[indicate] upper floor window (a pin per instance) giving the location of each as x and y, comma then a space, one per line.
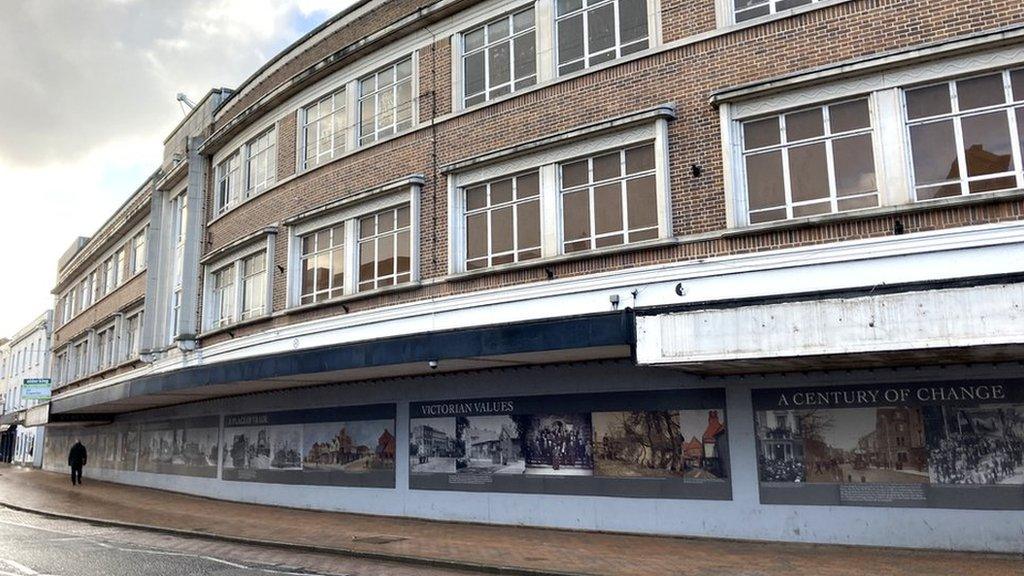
237, 291
324, 129
59, 366
110, 271
261, 162
323, 264
80, 360
228, 182
138, 248
224, 296
386, 102
105, 343
85, 293
385, 248
120, 263
254, 285
817, 160
132, 333
609, 199
499, 57
589, 32
503, 221
748, 9
966, 135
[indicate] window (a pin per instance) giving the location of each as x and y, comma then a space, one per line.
323, 264
110, 270
138, 252
228, 183
73, 299
813, 161
105, 343
85, 294
132, 335
179, 211
120, 263
254, 286
324, 129
224, 296
503, 221
99, 283
80, 366
59, 365
966, 135
590, 32
385, 102
68, 307
385, 246
748, 9
499, 57
609, 199
261, 162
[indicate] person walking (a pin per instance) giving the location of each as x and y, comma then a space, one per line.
76, 460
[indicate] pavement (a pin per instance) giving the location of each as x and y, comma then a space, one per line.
471, 547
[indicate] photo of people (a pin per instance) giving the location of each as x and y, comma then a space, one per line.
353, 447
705, 444
638, 444
558, 444
981, 445
433, 446
491, 445
780, 446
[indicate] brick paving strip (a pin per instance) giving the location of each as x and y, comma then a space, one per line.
481, 548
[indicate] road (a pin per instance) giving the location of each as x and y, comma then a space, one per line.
33, 545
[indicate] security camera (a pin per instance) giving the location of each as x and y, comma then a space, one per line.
432, 364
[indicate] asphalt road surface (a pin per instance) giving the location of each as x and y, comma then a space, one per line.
33, 545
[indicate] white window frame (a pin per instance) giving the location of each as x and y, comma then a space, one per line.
234, 176
617, 48
546, 161
726, 10
232, 261
893, 168
348, 212
129, 344
252, 156
459, 49
105, 359
342, 93
366, 139
138, 242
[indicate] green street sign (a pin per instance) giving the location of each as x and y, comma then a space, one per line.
36, 389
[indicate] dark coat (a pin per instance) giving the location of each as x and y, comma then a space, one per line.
77, 456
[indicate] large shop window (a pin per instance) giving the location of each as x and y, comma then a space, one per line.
609, 199
324, 129
499, 57
813, 161
966, 135
385, 247
747, 9
323, 264
503, 221
386, 102
590, 32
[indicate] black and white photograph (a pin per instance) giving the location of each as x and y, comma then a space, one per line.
980, 445
559, 445
286, 447
247, 448
353, 447
433, 445
492, 445
780, 446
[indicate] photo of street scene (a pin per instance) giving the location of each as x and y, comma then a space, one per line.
558, 444
353, 447
982, 445
705, 444
128, 448
285, 447
194, 448
247, 448
491, 445
638, 444
433, 447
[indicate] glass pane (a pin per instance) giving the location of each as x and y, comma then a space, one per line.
473, 40
992, 184
811, 209
768, 216
403, 251
640, 159
404, 69
402, 215
386, 77
366, 258
338, 265
576, 215
761, 133
528, 224
476, 197
366, 227
474, 73
632, 20
501, 230
476, 235
338, 235
368, 85
527, 186
804, 125
764, 180
944, 191
980, 92
607, 166
928, 101
323, 271
566, 6
787, 4
642, 202
323, 239
849, 116
608, 208
386, 256
854, 165
934, 152
385, 221
609, 241
857, 203
570, 39
501, 191
1020, 129
575, 174
500, 62
601, 28
308, 243
526, 55
523, 20
808, 172
987, 144
498, 30
1017, 84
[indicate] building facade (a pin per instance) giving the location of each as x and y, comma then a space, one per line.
542, 246
24, 370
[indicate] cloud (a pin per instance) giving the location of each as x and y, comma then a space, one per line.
89, 95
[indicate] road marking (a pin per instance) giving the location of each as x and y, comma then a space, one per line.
19, 567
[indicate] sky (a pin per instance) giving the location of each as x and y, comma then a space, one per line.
87, 96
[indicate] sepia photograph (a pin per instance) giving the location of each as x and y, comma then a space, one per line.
705, 444
353, 447
638, 444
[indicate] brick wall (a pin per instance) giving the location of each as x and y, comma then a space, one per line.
100, 312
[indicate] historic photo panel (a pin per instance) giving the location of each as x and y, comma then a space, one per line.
652, 444
947, 444
187, 447
343, 446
